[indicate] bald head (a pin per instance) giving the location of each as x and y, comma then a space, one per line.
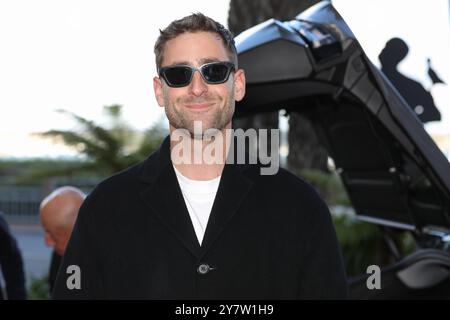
58, 213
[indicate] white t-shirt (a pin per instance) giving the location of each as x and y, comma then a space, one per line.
199, 197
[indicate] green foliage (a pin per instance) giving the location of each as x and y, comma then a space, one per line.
107, 149
39, 289
329, 185
32, 171
363, 243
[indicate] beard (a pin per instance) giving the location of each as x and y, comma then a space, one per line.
216, 117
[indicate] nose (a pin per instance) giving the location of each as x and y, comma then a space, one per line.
197, 86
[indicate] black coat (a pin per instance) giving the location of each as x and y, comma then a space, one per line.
11, 264
55, 262
268, 237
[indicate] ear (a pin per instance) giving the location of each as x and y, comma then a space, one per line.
157, 87
239, 85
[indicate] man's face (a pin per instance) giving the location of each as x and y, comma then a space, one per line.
55, 236
57, 224
57, 239
212, 104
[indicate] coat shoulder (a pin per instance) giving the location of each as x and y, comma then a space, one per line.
116, 190
286, 183
125, 181
117, 183
292, 196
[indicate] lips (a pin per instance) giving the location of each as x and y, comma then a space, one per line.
199, 106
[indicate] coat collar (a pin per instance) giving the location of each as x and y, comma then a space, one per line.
161, 192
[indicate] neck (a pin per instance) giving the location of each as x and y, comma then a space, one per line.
200, 158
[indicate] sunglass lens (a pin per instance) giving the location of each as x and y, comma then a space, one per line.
178, 76
215, 73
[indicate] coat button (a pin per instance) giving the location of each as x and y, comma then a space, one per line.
203, 269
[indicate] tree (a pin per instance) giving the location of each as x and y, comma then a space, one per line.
108, 149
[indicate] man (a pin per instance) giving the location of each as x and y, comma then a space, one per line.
58, 212
172, 229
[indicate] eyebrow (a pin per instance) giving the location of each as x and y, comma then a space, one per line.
201, 61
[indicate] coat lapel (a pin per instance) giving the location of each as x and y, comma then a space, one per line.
233, 189
163, 195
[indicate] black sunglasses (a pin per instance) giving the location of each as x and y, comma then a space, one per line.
181, 75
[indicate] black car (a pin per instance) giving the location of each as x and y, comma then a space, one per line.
392, 170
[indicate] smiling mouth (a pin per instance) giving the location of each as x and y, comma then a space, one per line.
199, 106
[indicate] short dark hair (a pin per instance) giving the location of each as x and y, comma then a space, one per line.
196, 22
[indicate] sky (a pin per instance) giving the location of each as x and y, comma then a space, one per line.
82, 55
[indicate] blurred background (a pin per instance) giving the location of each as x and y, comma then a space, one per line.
77, 103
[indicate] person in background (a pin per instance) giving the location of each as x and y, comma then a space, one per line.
58, 213
11, 265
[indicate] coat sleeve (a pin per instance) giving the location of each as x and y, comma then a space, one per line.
11, 264
79, 276
322, 269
